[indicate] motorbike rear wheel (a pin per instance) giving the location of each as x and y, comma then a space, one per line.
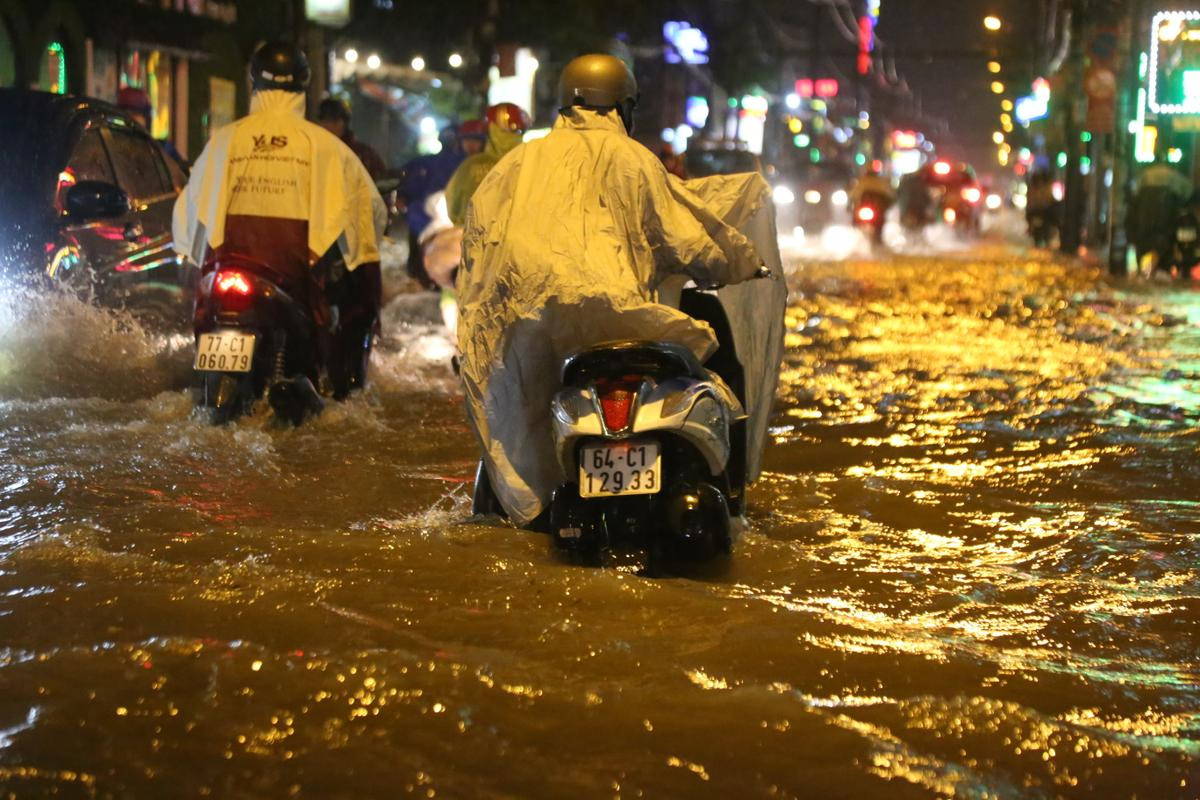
224, 396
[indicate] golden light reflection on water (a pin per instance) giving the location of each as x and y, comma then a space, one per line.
972, 571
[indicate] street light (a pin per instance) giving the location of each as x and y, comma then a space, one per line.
998, 137
992, 23
418, 63
997, 87
994, 67
352, 55
373, 61
455, 60
1007, 105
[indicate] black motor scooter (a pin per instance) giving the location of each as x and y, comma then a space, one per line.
255, 335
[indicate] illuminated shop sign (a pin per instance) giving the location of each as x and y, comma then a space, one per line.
687, 44
334, 13
1036, 105
1175, 63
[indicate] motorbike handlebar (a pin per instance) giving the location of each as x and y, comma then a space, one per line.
762, 272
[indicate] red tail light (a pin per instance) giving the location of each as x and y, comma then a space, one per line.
866, 214
972, 194
233, 282
616, 400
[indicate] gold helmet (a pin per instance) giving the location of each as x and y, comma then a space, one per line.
597, 80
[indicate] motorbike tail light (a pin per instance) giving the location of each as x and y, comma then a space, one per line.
866, 214
233, 282
972, 194
950, 215
616, 400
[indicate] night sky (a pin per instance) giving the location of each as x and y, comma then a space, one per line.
942, 49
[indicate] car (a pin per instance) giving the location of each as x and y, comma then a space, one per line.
86, 200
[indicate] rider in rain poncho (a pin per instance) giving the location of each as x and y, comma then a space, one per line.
566, 242
277, 188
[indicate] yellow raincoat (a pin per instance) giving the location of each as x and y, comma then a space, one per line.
275, 164
566, 243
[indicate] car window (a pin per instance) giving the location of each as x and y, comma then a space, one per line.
177, 175
89, 161
139, 165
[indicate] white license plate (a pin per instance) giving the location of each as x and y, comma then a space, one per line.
224, 351
631, 466
1186, 235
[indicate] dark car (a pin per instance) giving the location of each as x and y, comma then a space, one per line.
86, 199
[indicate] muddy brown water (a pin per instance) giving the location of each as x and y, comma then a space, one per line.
972, 571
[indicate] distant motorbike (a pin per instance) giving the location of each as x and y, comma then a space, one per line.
960, 209
1186, 238
869, 216
1043, 225
654, 444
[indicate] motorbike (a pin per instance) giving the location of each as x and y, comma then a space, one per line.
654, 445
1186, 238
869, 216
1042, 226
255, 335
960, 209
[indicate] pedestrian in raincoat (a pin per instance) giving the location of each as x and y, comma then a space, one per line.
506, 123
566, 242
277, 188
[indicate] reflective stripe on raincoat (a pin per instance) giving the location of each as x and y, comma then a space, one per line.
566, 242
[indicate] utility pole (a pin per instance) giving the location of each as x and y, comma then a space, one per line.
1123, 144
1074, 200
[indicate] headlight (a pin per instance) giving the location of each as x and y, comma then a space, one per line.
812, 196
783, 196
839, 198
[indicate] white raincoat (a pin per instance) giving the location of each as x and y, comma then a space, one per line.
273, 163
566, 242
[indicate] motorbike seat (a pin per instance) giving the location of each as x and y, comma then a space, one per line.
612, 359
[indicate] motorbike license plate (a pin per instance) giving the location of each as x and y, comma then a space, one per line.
224, 351
632, 466
1186, 234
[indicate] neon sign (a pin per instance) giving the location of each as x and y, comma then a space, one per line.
688, 45
1175, 63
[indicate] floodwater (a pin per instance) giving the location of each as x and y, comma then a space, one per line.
972, 570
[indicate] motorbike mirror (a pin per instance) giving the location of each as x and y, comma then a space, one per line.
88, 200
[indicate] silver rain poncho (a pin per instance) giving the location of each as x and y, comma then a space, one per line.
566, 244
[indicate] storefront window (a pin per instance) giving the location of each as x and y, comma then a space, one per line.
8, 67
151, 71
52, 74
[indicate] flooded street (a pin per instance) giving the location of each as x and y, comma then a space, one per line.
972, 570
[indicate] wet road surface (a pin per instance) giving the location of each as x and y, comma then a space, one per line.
973, 570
